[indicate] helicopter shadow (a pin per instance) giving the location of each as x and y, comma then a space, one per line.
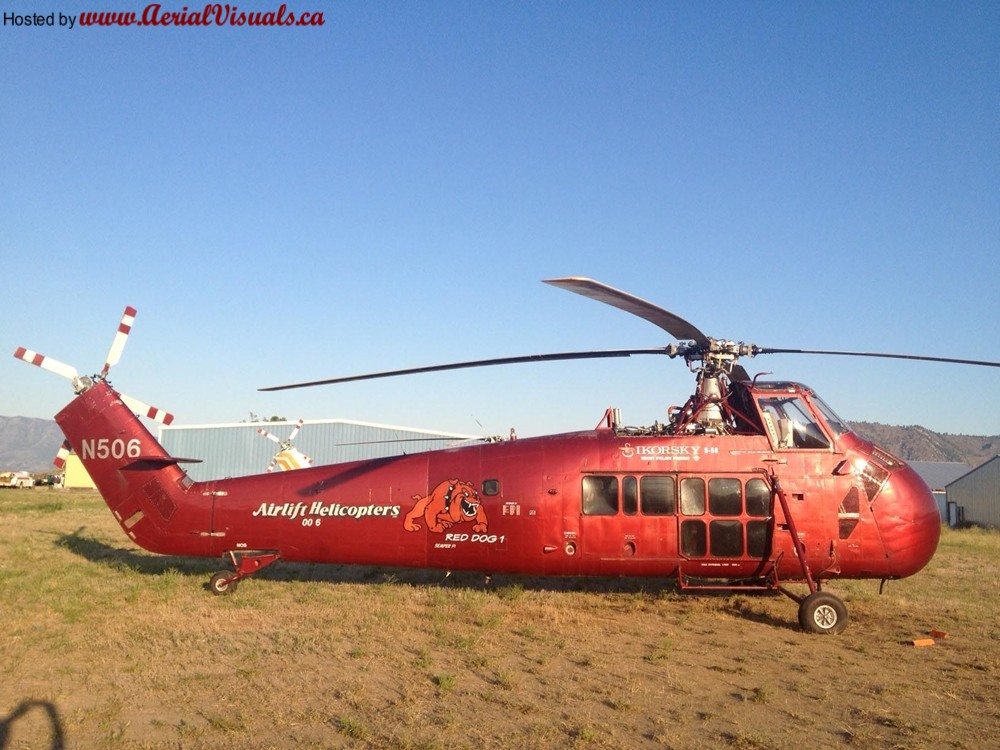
120, 557
100, 553
665, 588
58, 741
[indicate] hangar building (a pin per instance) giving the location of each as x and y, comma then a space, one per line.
938, 475
975, 497
237, 450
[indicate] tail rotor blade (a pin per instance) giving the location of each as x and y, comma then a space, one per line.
145, 410
118, 343
47, 363
295, 430
60, 460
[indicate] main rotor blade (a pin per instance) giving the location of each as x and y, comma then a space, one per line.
608, 353
763, 350
454, 441
738, 373
676, 326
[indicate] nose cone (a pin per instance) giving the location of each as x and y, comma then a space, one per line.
908, 521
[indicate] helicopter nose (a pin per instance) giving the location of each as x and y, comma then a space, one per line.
908, 521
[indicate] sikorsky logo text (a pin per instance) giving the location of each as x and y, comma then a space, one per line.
291, 511
666, 452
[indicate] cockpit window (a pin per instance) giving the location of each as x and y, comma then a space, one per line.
836, 424
790, 424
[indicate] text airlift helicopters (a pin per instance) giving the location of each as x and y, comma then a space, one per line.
749, 486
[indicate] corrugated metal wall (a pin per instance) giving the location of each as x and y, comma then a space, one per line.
236, 450
979, 493
937, 475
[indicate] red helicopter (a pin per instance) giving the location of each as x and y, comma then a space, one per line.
749, 486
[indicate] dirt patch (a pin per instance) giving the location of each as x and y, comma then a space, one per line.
104, 645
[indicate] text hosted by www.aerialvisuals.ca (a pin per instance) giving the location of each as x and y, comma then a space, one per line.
154, 14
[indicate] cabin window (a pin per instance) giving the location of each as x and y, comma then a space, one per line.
600, 496
491, 487
725, 497
658, 496
873, 477
757, 538
630, 496
726, 538
693, 539
693, 496
758, 498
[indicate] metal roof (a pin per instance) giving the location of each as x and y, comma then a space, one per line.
236, 450
939, 474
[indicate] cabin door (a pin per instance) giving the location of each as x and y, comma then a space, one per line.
725, 521
630, 517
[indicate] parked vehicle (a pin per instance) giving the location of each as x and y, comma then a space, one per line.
16, 479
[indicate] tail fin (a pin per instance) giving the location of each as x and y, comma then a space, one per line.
141, 483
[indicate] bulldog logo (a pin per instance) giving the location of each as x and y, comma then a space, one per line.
450, 503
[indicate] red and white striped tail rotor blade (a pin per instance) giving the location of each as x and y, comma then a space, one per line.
60, 460
268, 435
118, 343
47, 363
145, 410
295, 430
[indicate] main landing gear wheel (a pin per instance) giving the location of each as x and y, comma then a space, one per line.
220, 583
822, 613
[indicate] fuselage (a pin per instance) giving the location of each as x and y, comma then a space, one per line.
600, 502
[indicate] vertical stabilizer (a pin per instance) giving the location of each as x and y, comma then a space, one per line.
140, 482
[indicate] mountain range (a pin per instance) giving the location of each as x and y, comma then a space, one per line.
28, 444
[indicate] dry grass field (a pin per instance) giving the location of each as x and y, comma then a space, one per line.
105, 646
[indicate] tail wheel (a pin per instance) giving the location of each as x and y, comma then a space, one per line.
221, 584
823, 613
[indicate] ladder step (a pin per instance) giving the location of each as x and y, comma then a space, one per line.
713, 584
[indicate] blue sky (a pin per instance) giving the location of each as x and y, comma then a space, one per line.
389, 189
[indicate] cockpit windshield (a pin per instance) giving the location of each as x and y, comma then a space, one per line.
790, 424
837, 425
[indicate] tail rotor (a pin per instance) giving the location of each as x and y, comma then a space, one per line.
288, 457
82, 383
